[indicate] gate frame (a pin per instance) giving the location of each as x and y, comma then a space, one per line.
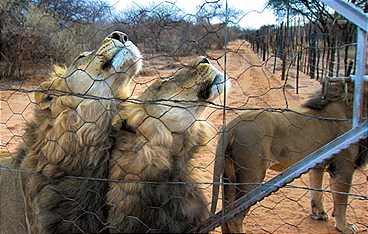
357, 17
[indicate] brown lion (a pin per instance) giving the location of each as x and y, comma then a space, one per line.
256, 141
66, 146
151, 188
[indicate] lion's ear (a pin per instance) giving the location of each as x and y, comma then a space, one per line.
43, 99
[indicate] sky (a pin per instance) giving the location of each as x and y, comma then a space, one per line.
254, 13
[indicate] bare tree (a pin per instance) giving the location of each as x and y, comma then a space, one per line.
48, 31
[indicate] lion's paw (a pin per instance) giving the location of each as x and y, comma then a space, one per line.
319, 216
349, 229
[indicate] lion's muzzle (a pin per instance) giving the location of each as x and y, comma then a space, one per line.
130, 57
218, 85
120, 54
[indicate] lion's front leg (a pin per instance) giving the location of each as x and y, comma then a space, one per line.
340, 204
123, 196
317, 207
124, 203
234, 225
341, 171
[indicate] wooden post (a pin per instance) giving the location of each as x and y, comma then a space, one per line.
297, 74
350, 68
285, 45
276, 43
301, 45
338, 62
318, 51
264, 41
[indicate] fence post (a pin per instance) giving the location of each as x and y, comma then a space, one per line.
359, 81
356, 16
297, 73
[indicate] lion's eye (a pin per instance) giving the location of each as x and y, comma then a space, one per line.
205, 60
106, 65
81, 56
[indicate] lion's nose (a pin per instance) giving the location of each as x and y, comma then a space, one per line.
122, 37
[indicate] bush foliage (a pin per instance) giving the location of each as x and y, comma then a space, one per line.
37, 33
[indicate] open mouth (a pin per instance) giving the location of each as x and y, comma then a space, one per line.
212, 89
218, 85
123, 56
130, 55
109, 62
126, 53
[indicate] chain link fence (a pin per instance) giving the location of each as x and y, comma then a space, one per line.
161, 113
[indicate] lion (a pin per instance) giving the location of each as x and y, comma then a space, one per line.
66, 146
256, 141
151, 183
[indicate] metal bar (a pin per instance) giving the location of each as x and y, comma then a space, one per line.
225, 77
350, 12
346, 78
359, 74
279, 181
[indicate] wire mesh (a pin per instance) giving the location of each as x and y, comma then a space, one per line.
113, 145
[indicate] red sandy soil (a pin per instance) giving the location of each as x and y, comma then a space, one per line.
252, 85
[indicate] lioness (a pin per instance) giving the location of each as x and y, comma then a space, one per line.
256, 141
151, 188
66, 146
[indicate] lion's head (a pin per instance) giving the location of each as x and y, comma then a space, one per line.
198, 81
180, 100
103, 73
112, 64
80, 99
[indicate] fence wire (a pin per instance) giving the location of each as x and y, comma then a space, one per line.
162, 113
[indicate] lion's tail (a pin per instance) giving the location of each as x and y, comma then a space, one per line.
362, 159
222, 146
